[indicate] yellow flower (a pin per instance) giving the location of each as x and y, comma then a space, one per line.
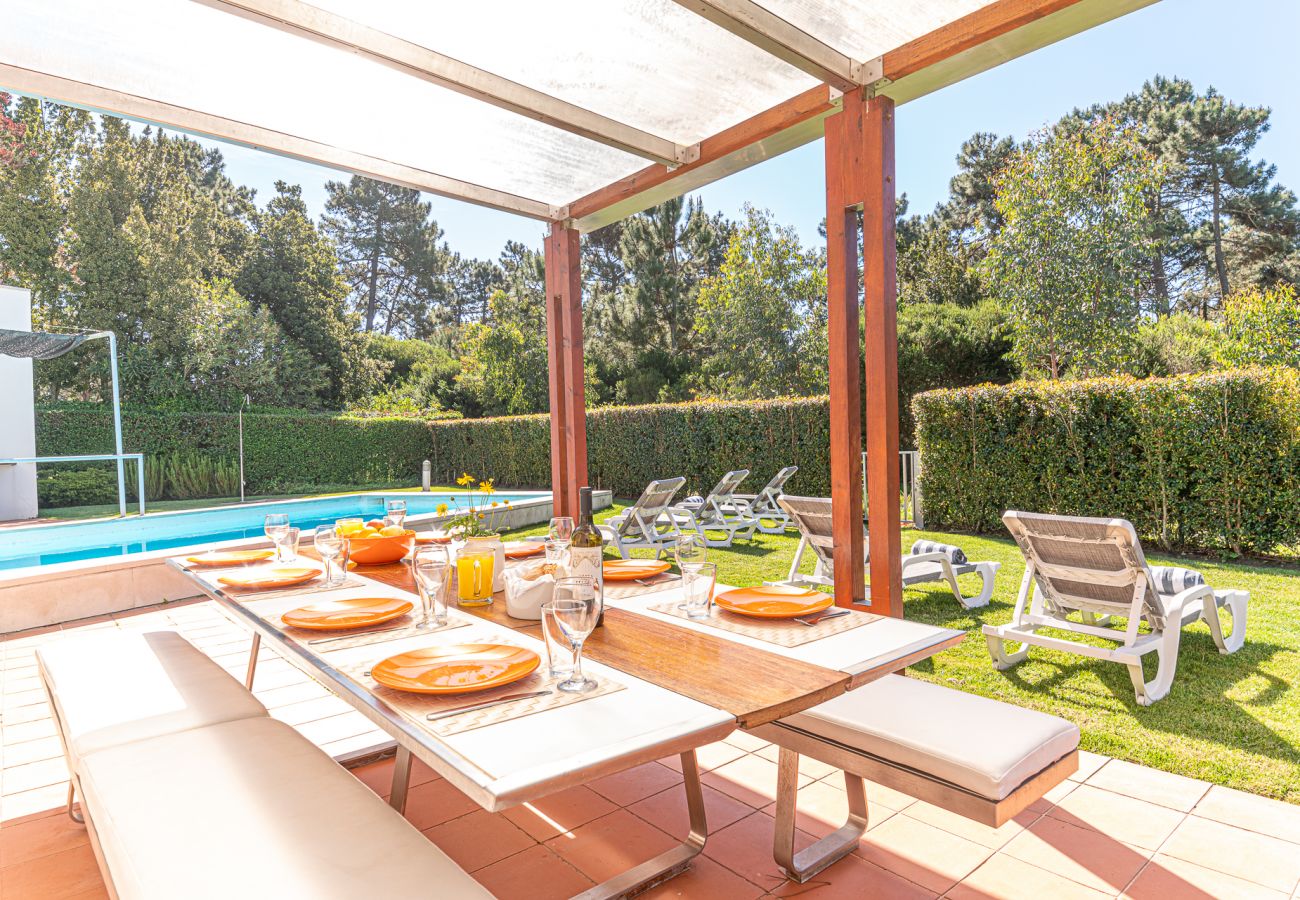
442, 509
506, 502
494, 504
486, 486
482, 515
465, 480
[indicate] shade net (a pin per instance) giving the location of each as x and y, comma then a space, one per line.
38, 345
650, 64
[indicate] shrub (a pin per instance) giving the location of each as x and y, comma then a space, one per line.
280, 450
1196, 461
58, 486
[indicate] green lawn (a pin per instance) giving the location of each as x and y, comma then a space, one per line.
1232, 720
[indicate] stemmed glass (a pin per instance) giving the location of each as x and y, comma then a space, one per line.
432, 569
691, 552
276, 526
329, 544
395, 512
562, 531
576, 607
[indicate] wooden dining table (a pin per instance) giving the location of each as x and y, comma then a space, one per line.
681, 684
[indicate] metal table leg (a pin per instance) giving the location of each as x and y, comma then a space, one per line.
252, 660
665, 865
401, 779
835, 846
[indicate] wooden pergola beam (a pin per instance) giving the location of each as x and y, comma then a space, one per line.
565, 357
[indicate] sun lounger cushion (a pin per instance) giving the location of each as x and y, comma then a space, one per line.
113, 689
981, 745
252, 809
1175, 580
955, 554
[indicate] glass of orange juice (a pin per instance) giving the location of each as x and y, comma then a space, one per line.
474, 570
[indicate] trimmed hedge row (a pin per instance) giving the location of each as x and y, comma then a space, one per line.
1199, 461
281, 452
627, 447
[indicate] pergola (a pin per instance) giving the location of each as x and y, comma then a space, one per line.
578, 114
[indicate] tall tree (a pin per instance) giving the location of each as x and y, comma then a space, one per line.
389, 251
292, 272
762, 319
1075, 237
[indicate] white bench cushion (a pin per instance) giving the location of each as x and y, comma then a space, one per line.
982, 745
112, 689
252, 809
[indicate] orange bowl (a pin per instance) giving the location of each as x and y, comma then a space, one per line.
376, 551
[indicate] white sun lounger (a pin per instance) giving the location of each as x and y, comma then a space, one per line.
1096, 567
812, 516
764, 506
647, 522
718, 511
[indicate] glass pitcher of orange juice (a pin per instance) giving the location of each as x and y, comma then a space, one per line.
474, 571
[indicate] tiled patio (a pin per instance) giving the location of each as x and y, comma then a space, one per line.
1114, 829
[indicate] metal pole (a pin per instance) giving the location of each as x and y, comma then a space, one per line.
139, 468
241, 447
117, 427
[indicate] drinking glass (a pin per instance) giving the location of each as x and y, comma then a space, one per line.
474, 573
291, 538
559, 652
395, 512
576, 608
562, 530
555, 553
432, 570
697, 589
329, 544
690, 550
276, 526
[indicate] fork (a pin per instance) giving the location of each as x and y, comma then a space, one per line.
826, 615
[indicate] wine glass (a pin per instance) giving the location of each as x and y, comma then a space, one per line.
562, 530
576, 607
395, 512
432, 569
691, 551
276, 526
329, 544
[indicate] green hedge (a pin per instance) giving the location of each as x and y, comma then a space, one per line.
1199, 461
627, 447
281, 452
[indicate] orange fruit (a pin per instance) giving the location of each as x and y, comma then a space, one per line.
392, 531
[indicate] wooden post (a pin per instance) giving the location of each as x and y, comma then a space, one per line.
843, 198
564, 352
860, 176
880, 306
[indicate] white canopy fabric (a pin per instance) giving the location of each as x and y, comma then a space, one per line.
583, 92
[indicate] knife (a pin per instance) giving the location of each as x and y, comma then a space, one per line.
829, 615
456, 710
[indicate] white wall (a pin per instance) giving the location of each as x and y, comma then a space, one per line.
17, 416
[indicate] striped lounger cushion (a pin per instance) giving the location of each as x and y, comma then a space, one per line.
954, 554
1175, 580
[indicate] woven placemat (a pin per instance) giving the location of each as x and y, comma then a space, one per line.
395, 629
781, 632
626, 590
415, 707
311, 587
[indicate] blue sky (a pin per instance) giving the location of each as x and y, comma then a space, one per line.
1247, 49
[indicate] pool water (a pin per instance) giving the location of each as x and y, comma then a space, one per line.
41, 545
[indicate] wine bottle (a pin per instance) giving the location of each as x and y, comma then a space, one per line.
586, 549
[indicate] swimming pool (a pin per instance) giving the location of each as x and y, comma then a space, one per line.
41, 545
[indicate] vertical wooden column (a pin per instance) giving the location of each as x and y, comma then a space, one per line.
860, 177
844, 162
564, 352
880, 307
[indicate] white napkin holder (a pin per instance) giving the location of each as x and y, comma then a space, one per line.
527, 589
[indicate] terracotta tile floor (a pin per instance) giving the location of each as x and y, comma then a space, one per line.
1116, 829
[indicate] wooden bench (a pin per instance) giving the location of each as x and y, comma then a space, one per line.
977, 757
189, 791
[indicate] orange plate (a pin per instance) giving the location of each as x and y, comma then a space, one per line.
355, 612
520, 549
433, 538
632, 569
266, 579
230, 557
456, 669
773, 602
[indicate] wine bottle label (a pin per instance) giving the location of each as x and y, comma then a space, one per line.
586, 562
